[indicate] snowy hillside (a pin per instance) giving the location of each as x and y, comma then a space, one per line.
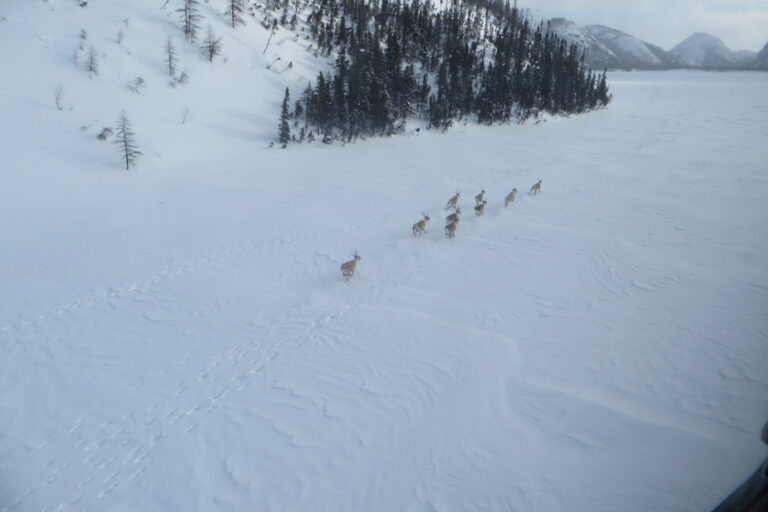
704, 50
179, 337
629, 47
761, 60
611, 48
614, 49
598, 54
632, 52
744, 57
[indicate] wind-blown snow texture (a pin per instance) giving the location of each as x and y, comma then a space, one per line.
178, 337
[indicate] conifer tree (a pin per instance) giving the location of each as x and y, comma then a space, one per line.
480, 57
601, 93
212, 45
285, 128
170, 58
190, 18
92, 64
125, 142
235, 12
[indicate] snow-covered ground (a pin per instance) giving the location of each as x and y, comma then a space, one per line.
178, 336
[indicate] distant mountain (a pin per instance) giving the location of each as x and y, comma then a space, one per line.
703, 50
606, 47
630, 51
761, 61
745, 57
598, 55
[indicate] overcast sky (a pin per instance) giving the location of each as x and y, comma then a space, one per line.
741, 24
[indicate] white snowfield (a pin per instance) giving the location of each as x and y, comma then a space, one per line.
179, 336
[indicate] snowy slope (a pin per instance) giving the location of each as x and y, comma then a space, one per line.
704, 50
598, 55
611, 48
627, 48
614, 49
178, 337
632, 52
744, 57
761, 60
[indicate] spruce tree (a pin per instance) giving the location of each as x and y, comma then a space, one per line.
190, 18
601, 93
124, 140
92, 64
482, 56
235, 12
170, 58
285, 128
212, 45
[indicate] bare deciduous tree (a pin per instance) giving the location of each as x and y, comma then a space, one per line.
272, 33
137, 84
105, 133
183, 78
58, 95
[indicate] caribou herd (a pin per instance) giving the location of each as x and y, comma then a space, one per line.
451, 221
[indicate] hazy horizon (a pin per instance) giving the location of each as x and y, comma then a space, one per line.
740, 24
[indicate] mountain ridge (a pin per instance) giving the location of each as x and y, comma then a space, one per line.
607, 47
705, 50
761, 60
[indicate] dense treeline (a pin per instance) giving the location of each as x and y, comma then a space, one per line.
475, 58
